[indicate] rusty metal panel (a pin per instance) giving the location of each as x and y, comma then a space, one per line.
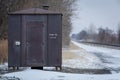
34, 40
14, 28
54, 40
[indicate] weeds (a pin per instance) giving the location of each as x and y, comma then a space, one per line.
3, 51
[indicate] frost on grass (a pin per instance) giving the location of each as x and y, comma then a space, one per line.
82, 60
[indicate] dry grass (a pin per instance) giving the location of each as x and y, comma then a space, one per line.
68, 54
72, 46
3, 50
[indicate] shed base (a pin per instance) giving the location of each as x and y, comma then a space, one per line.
41, 68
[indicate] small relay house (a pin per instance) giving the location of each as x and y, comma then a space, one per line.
34, 38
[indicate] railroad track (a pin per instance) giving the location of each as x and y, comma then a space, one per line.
113, 46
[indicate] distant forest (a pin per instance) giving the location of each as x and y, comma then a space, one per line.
62, 6
102, 35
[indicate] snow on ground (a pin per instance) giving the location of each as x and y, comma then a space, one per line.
4, 66
84, 60
49, 75
109, 51
110, 57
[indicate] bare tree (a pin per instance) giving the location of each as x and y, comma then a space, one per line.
5, 7
107, 36
92, 32
82, 35
101, 35
118, 33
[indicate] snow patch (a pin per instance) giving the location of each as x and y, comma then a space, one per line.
4, 66
81, 64
49, 75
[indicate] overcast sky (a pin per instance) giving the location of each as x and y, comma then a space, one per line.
104, 13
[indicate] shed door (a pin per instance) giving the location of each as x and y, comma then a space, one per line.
34, 43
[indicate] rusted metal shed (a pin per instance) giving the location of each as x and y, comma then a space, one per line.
34, 38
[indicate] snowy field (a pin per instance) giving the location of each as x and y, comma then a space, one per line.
87, 57
110, 58
84, 60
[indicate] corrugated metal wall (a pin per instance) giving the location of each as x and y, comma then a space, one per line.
40, 39
14, 35
54, 40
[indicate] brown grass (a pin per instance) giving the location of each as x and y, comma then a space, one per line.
3, 50
72, 46
68, 54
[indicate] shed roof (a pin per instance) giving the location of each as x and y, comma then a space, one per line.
34, 11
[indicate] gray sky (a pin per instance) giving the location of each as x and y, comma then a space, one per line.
104, 13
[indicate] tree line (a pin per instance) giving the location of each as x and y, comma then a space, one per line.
102, 35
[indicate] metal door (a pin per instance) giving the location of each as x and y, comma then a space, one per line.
34, 42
